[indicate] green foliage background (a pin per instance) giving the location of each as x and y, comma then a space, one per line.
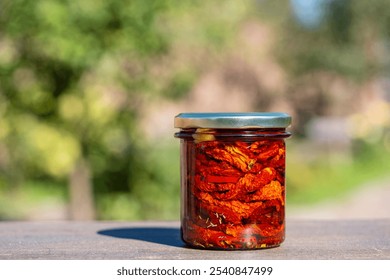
74, 73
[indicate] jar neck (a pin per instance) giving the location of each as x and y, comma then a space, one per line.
234, 133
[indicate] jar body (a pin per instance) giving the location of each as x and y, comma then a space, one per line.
233, 188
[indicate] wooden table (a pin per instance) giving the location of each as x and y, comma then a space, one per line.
305, 240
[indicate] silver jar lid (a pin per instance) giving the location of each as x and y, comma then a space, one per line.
233, 120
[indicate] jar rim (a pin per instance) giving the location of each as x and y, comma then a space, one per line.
233, 120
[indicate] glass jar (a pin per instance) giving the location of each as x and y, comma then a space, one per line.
232, 179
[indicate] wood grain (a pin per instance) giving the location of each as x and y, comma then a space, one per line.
305, 240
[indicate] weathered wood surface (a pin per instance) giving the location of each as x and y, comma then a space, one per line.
352, 239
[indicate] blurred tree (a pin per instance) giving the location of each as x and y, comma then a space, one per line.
69, 75
342, 39
73, 77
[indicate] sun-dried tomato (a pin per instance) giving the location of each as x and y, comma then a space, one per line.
233, 179
237, 189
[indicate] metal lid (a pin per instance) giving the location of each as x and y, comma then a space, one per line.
233, 120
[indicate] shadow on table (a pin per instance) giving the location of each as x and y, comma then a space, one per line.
160, 235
